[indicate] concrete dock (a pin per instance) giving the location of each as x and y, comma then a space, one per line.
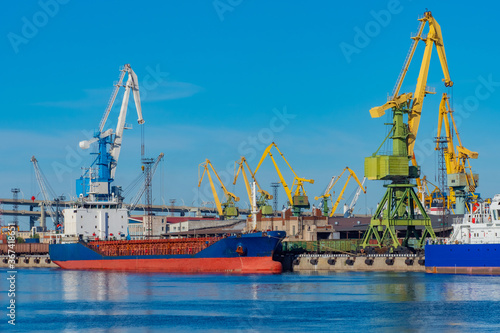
28, 261
370, 263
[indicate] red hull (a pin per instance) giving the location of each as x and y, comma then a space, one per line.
244, 265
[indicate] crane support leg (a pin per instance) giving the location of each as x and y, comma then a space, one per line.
397, 210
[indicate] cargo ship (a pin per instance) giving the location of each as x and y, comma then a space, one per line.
474, 245
244, 253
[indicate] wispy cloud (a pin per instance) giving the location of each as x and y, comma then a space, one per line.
167, 90
92, 98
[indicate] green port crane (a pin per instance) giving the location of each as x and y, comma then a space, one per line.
400, 204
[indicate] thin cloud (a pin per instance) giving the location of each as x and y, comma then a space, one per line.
169, 90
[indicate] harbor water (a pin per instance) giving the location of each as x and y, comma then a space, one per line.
53, 300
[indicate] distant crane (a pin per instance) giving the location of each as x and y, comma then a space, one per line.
323, 205
330, 187
350, 209
135, 201
460, 181
49, 196
99, 186
227, 208
298, 198
262, 203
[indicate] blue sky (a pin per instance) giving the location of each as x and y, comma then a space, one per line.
221, 79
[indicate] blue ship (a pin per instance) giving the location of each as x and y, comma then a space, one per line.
474, 245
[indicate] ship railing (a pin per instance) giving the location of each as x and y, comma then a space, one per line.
438, 241
184, 246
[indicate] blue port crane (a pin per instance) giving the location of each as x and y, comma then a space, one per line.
95, 184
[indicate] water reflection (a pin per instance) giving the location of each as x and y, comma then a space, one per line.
94, 285
355, 301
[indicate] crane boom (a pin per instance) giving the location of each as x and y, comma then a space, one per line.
132, 84
433, 37
112, 100
409, 57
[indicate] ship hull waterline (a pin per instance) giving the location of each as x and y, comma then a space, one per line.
243, 265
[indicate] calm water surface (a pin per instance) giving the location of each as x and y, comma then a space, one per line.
52, 300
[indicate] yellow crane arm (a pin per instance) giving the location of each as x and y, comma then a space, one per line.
299, 184
420, 182
282, 180
466, 153
241, 167
455, 158
214, 191
408, 59
433, 37
247, 185
264, 192
226, 192
326, 194
351, 174
267, 152
297, 180
379, 111
443, 117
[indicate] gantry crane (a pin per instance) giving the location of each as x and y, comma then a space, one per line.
227, 208
99, 185
297, 197
400, 203
461, 180
332, 183
264, 196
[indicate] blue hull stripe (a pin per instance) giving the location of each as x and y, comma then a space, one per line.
462, 255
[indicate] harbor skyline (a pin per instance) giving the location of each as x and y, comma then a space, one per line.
219, 83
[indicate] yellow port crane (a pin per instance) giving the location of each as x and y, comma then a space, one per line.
461, 180
297, 197
228, 208
261, 203
330, 187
